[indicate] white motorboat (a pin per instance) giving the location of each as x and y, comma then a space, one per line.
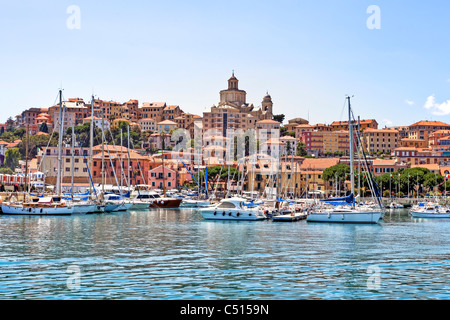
233, 209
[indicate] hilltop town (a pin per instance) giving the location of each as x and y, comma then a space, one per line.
306, 151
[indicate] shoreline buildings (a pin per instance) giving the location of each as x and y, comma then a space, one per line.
214, 141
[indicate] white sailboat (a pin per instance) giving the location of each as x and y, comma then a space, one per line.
430, 210
53, 205
347, 211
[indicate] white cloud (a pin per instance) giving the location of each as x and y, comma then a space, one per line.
438, 109
409, 102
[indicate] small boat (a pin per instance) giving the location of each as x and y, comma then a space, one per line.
165, 202
290, 217
83, 207
41, 206
194, 203
430, 210
395, 205
233, 209
289, 213
139, 205
117, 200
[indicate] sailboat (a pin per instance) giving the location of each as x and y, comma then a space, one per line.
196, 202
53, 205
344, 209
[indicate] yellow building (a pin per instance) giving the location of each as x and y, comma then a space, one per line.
380, 140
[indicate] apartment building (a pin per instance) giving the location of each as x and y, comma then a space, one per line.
364, 124
380, 140
423, 129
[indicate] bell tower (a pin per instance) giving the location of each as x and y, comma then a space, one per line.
233, 83
267, 106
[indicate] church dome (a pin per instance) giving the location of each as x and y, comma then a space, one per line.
267, 97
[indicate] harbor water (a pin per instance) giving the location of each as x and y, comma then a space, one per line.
176, 255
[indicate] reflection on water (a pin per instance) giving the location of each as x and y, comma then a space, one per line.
175, 254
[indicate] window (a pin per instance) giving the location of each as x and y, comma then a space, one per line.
227, 205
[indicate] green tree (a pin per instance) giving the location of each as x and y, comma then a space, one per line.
301, 149
6, 171
35, 143
10, 124
19, 133
279, 117
43, 127
340, 171
12, 157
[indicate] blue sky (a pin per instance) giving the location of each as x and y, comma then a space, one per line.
307, 54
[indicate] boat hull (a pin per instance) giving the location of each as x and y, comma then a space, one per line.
231, 215
430, 215
110, 207
194, 204
347, 217
124, 206
289, 217
165, 203
84, 208
140, 205
38, 211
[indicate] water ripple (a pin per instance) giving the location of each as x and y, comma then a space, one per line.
176, 255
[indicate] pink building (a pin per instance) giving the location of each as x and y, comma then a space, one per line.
157, 176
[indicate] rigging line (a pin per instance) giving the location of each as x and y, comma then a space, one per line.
369, 168
138, 162
343, 108
43, 158
87, 166
121, 163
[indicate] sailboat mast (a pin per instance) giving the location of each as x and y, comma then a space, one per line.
129, 158
58, 178
26, 165
91, 145
103, 158
350, 132
359, 159
121, 159
73, 151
